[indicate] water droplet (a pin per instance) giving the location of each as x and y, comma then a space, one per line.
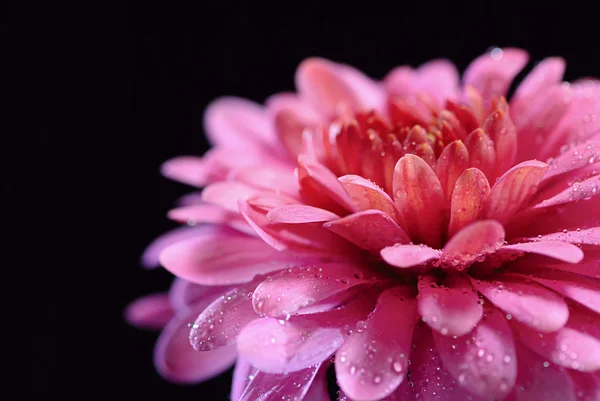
497, 53
397, 366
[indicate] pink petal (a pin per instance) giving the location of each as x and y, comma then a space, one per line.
298, 214
558, 250
420, 199
547, 73
317, 181
152, 252
237, 123
492, 73
222, 258
271, 387
473, 242
268, 178
512, 191
430, 380
191, 170
283, 346
291, 117
183, 294
318, 390
451, 164
541, 380
440, 79
177, 361
227, 193
527, 302
499, 127
151, 312
484, 361
242, 376
578, 191
589, 236
372, 230
369, 374
369, 93
470, 200
205, 213
366, 195
575, 346
408, 255
541, 117
584, 290
220, 323
319, 81
574, 157
482, 154
453, 309
300, 287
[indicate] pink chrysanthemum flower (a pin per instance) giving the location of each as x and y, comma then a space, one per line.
429, 238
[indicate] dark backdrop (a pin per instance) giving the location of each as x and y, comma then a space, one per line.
109, 93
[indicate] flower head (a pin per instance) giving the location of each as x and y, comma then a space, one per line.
424, 234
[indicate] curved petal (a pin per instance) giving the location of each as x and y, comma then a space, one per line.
319, 183
578, 191
268, 178
226, 194
220, 323
177, 361
152, 311
472, 243
470, 200
222, 258
408, 255
527, 302
365, 195
482, 154
512, 191
573, 158
370, 374
242, 376
298, 214
205, 213
492, 73
237, 123
451, 164
484, 361
453, 309
372, 230
420, 199
299, 287
183, 294
554, 249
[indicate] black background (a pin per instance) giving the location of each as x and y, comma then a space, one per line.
100, 97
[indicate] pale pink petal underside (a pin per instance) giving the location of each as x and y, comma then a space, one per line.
298, 214
365, 195
473, 242
554, 249
409, 255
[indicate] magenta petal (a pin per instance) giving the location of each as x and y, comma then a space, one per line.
227, 194
573, 158
453, 309
587, 387
373, 361
220, 323
589, 236
409, 255
177, 361
242, 376
541, 380
298, 214
492, 73
150, 257
584, 290
299, 287
511, 192
152, 311
205, 213
578, 191
554, 249
183, 294
222, 258
575, 346
366, 195
268, 178
430, 380
483, 361
237, 123
472, 243
527, 302
275, 387
372, 230
190, 170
